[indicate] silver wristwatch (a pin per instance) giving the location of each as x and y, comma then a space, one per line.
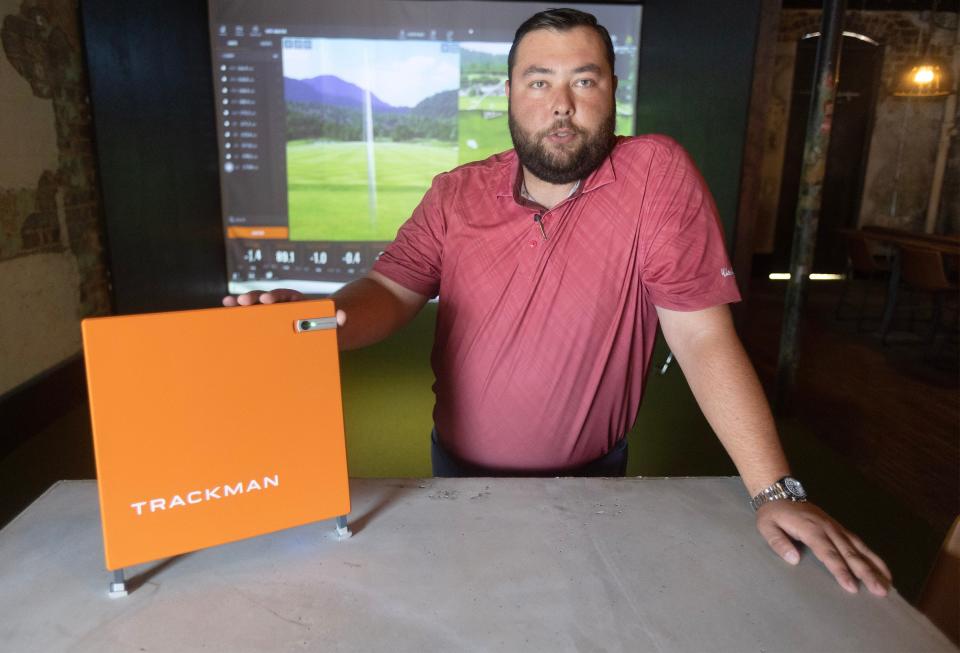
787, 488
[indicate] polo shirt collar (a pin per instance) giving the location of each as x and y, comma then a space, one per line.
603, 175
512, 178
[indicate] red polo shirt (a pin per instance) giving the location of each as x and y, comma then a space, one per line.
542, 346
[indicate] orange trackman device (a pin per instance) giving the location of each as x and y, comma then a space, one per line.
214, 425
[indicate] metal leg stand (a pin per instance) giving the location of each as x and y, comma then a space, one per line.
343, 532
891, 306
118, 588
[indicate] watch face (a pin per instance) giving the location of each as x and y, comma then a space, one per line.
793, 487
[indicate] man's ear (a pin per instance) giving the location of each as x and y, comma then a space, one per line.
615, 82
506, 88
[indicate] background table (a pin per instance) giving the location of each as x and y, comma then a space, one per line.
453, 565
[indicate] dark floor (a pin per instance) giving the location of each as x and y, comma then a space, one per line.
875, 433
876, 426
892, 411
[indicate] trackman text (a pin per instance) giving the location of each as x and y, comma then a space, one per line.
209, 494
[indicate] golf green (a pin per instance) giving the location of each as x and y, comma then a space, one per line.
329, 196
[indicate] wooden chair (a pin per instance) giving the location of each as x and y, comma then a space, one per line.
923, 270
864, 264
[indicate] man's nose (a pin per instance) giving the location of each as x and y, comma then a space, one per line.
562, 103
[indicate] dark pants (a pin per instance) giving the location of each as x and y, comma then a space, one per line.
613, 463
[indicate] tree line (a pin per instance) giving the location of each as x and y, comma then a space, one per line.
323, 121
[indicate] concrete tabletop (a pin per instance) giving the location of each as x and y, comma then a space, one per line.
453, 565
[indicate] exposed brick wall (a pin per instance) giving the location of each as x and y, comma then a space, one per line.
28, 219
42, 43
51, 235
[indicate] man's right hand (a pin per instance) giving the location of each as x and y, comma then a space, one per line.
264, 297
275, 296
377, 306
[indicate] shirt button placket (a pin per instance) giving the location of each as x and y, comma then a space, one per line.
538, 232
530, 251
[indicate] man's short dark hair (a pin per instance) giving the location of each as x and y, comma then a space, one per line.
559, 20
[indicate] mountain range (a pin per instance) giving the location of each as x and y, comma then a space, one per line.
331, 90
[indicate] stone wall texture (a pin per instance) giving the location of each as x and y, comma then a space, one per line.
903, 145
51, 236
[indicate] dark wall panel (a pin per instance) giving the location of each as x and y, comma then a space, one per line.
696, 69
152, 97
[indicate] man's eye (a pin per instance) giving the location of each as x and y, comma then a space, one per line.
583, 83
538, 84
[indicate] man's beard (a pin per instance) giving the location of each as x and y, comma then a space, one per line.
570, 165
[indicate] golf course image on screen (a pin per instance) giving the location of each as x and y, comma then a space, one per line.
369, 124
482, 102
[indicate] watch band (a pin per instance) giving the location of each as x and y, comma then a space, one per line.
787, 488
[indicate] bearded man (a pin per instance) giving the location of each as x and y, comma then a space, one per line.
554, 263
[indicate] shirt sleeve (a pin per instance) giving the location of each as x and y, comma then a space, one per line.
686, 267
414, 259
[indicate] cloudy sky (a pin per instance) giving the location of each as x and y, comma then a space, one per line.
401, 73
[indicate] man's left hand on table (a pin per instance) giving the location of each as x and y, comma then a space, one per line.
843, 553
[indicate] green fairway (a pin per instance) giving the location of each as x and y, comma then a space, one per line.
327, 181
487, 136
328, 193
483, 103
